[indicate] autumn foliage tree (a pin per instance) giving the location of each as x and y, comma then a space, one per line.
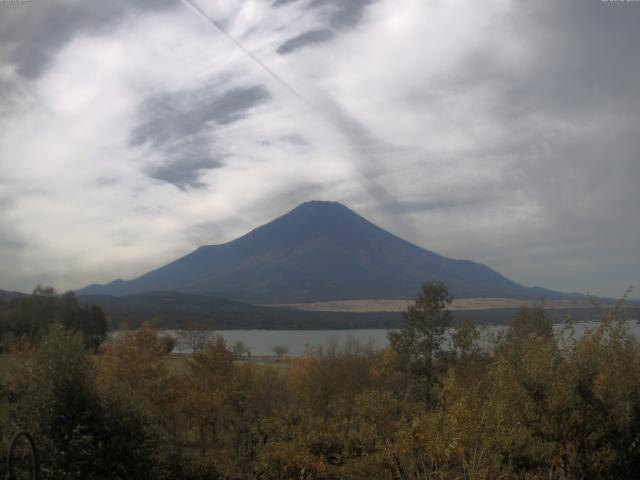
533, 401
207, 386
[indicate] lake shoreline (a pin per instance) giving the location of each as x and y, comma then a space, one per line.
261, 342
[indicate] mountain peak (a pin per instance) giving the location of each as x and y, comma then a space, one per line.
323, 211
314, 220
322, 207
319, 251
321, 203
324, 204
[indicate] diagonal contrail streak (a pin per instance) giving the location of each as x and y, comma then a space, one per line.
350, 129
219, 28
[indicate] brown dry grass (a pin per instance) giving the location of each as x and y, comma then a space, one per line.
380, 305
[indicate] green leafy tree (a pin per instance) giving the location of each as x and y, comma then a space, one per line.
420, 337
61, 405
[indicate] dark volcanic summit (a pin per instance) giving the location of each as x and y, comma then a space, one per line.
319, 251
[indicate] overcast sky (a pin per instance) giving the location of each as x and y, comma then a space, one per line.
505, 132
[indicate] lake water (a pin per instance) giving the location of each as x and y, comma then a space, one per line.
262, 342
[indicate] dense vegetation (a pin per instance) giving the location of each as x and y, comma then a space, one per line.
29, 317
527, 404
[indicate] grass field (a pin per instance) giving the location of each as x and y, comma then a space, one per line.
459, 304
175, 362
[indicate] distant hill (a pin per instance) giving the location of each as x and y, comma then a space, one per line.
9, 295
319, 251
171, 309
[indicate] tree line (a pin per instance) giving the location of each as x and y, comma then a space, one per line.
527, 403
30, 317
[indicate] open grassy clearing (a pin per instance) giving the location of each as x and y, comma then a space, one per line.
175, 362
459, 304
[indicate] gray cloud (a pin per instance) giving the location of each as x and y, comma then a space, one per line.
179, 126
168, 117
370, 153
304, 39
32, 32
279, 3
584, 59
185, 172
343, 14
569, 112
457, 200
12, 244
507, 133
583, 80
335, 14
11, 92
296, 139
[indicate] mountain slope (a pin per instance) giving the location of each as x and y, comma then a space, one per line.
11, 295
319, 251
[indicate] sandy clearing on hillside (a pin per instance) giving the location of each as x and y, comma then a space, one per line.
378, 305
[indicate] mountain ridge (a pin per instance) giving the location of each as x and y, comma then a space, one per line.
7, 295
316, 252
